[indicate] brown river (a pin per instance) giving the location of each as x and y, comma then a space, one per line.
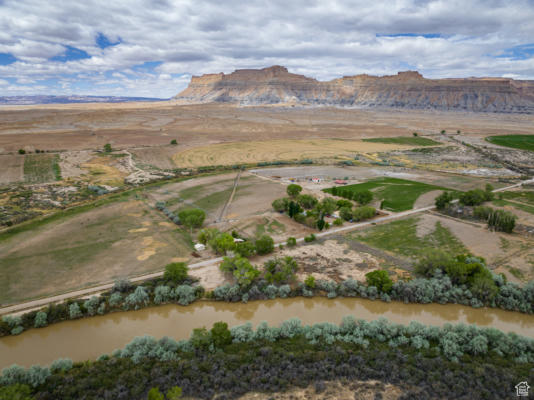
90, 337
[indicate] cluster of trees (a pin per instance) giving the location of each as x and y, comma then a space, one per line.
242, 270
307, 210
498, 220
228, 363
280, 270
191, 218
161, 206
223, 242
477, 196
362, 197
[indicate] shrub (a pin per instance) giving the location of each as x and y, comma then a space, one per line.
192, 218
155, 394
222, 243
280, 270
176, 272
443, 200
245, 249
306, 201
115, 299
107, 148
122, 285
220, 334
16, 392
379, 279
475, 197
501, 220
281, 205
363, 213
328, 205
344, 203
345, 213
482, 212
61, 365
433, 260
74, 311
22, 151
310, 281
264, 245
338, 222
309, 238
207, 234
200, 339
136, 299
241, 269
291, 241
162, 294
293, 190
101, 308
185, 294
91, 305
320, 224
174, 142
40, 319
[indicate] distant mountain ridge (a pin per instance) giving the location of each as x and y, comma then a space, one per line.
409, 89
43, 99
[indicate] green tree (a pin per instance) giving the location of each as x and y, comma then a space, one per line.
222, 243
294, 190
293, 209
433, 260
345, 213
281, 205
306, 201
363, 213
176, 272
310, 281
174, 142
280, 270
22, 151
264, 245
107, 148
200, 338
344, 203
207, 234
379, 279
192, 218
15, 392
473, 197
363, 197
320, 224
328, 205
174, 393
245, 249
291, 241
155, 394
242, 270
443, 200
221, 335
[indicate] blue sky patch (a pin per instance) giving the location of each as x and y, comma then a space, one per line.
521, 52
70, 54
102, 41
6, 59
147, 66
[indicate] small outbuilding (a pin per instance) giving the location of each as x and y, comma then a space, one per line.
200, 247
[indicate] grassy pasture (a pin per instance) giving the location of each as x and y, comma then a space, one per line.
396, 194
400, 237
40, 168
523, 142
404, 140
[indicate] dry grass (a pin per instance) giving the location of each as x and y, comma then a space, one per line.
275, 150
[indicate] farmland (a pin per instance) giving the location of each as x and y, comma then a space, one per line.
522, 142
405, 140
40, 168
396, 194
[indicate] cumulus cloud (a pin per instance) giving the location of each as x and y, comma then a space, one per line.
152, 47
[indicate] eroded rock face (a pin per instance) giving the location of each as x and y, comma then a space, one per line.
276, 85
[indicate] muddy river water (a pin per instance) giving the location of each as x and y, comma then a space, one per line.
90, 337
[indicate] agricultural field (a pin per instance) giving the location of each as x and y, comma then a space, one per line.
395, 194
11, 169
276, 150
522, 142
41, 168
405, 140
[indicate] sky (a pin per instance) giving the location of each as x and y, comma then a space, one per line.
151, 48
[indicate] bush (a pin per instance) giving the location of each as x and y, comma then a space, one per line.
328, 205
501, 220
162, 294
241, 269
280, 270
137, 299
475, 197
294, 190
245, 249
192, 218
291, 242
74, 311
310, 238
482, 212
220, 334
174, 142
443, 200
222, 243
115, 299
122, 286
16, 392
107, 148
310, 282
91, 305
306, 201
176, 272
22, 151
61, 365
185, 294
363, 213
40, 319
345, 213
431, 261
207, 234
379, 279
281, 205
343, 203
363, 197
264, 245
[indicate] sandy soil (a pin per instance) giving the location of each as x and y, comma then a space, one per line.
345, 390
426, 199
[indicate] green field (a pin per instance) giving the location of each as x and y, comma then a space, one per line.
400, 237
523, 197
523, 142
396, 194
41, 168
407, 140
523, 207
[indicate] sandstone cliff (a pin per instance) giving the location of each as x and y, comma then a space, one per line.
275, 85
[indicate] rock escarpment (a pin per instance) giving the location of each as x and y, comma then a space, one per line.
275, 85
